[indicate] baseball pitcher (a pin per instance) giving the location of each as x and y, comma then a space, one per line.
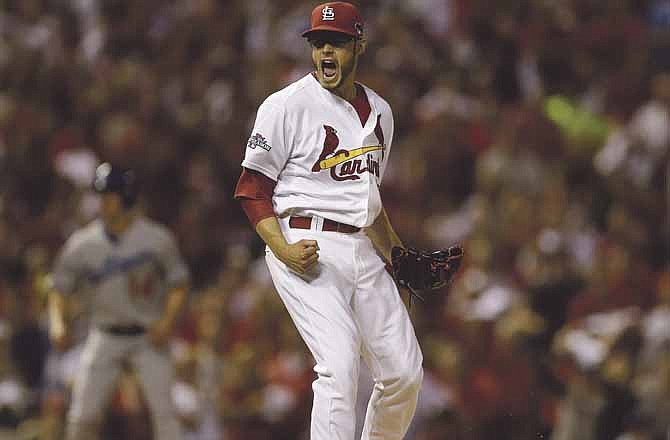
310, 187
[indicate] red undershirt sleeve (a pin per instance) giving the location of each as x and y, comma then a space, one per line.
254, 191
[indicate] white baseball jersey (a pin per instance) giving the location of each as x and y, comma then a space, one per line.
325, 162
127, 280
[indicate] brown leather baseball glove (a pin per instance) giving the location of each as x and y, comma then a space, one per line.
422, 270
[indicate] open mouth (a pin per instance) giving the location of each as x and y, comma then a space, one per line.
329, 68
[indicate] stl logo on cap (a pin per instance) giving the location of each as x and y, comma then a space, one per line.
342, 17
328, 14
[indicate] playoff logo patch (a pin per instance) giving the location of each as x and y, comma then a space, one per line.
258, 140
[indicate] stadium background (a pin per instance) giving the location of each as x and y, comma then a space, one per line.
533, 132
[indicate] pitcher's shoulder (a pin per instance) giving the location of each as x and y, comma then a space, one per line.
293, 95
376, 99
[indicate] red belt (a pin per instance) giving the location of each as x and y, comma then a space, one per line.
328, 225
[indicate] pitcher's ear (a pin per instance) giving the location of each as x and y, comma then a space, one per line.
362, 44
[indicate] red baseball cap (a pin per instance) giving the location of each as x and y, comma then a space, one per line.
336, 17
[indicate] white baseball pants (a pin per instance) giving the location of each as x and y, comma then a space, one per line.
346, 307
99, 370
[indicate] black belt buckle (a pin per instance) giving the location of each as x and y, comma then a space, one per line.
125, 330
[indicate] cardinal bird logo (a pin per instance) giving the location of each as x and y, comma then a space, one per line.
351, 168
329, 146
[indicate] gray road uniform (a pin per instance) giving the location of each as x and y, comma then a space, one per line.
125, 281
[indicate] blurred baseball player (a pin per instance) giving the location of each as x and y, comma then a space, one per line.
309, 185
136, 284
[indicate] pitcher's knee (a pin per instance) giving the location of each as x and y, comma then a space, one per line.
339, 382
415, 379
409, 382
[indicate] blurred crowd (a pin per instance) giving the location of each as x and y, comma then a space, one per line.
534, 132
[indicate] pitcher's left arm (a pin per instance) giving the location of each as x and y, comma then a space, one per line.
383, 236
